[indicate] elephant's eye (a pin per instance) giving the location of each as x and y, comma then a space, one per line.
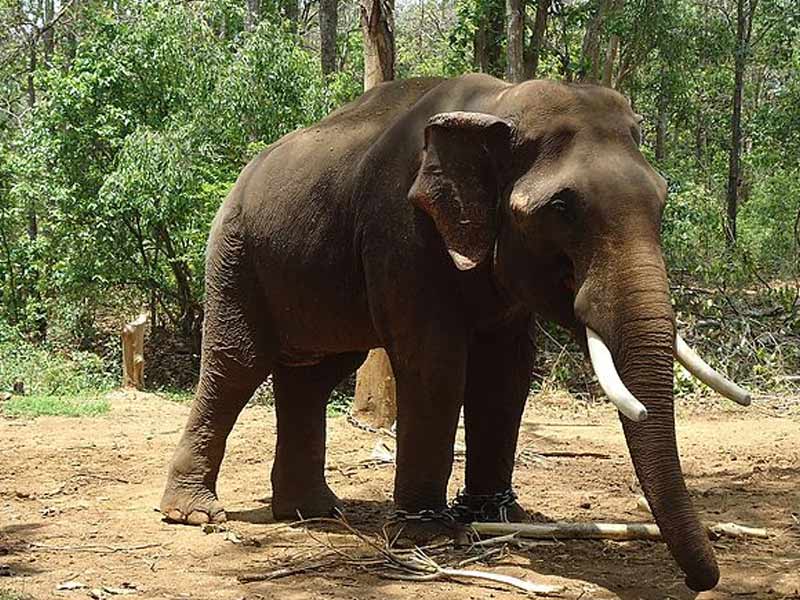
564, 203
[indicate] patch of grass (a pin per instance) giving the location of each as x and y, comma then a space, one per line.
12, 595
339, 403
177, 395
59, 406
50, 371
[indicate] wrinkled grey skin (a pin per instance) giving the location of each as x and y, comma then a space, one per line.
437, 239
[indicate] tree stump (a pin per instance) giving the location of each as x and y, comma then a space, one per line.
375, 402
133, 353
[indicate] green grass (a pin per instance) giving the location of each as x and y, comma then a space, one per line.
176, 395
12, 595
46, 370
57, 381
59, 406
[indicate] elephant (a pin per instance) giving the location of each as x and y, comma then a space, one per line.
433, 217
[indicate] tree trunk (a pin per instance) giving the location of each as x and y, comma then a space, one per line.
375, 402
328, 21
611, 57
612, 50
291, 12
734, 159
377, 23
661, 121
537, 39
590, 49
480, 59
253, 15
133, 353
515, 33
48, 37
33, 224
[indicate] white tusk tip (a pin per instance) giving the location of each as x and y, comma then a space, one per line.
637, 416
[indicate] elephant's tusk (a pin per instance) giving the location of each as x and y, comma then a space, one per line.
618, 394
700, 369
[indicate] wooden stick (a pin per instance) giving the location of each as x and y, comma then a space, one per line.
606, 531
733, 530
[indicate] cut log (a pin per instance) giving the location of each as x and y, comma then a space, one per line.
133, 353
375, 402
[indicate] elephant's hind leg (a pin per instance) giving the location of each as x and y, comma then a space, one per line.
237, 355
298, 473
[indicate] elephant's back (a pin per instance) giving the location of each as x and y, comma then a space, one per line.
303, 165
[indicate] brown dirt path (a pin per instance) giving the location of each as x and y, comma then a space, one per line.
77, 501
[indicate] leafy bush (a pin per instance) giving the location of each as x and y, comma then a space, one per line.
49, 371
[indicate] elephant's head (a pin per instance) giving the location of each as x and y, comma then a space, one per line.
548, 189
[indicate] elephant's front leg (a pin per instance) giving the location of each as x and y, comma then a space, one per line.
430, 377
498, 378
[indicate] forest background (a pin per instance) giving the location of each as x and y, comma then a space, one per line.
124, 123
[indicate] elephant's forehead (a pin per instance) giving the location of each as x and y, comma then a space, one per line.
538, 107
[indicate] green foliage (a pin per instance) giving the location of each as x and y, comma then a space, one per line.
7, 594
54, 406
46, 370
133, 143
147, 112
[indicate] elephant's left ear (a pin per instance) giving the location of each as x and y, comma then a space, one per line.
460, 180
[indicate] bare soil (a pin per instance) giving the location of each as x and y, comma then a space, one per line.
77, 498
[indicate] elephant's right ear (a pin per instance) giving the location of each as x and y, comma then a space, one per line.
460, 180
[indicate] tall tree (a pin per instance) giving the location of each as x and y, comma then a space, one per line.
488, 42
375, 398
612, 49
745, 11
328, 23
377, 24
515, 34
534, 49
252, 15
290, 10
590, 48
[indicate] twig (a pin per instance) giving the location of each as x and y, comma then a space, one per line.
285, 571
415, 565
93, 548
568, 454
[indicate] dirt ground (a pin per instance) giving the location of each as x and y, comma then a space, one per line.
77, 498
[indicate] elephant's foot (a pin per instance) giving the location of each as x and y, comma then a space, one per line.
500, 507
421, 529
191, 504
308, 503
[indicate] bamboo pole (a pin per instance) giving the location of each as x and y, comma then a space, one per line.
562, 530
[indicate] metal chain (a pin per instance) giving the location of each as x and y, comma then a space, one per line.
483, 507
359, 425
445, 516
466, 508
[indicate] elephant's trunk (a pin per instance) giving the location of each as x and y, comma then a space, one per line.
643, 353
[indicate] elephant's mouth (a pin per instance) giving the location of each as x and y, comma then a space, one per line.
566, 272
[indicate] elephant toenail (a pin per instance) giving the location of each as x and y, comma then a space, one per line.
197, 518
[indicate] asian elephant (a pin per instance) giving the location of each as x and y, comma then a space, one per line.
433, 217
